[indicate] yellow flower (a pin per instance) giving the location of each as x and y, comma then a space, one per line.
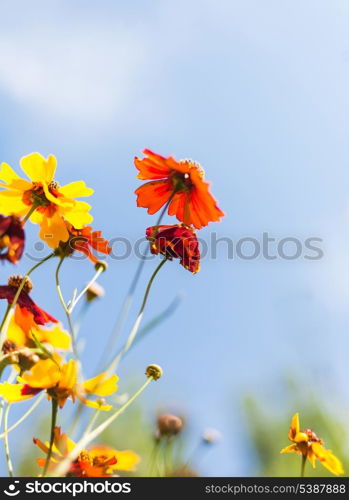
307, 443
22, 327
53, 203
97, 461
60, 380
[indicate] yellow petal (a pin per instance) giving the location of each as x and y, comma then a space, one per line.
55, 336
38, 168
12, 203
289, 449
294, 429
53, 230
311, 457
69, 375
78, 216
328, 459
12, 392
300, 437
60, 201
75, 189
100, 385
16, 334
7, 174
126, 460
94, 404
44, 374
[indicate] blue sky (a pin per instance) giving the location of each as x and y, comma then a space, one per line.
256, 91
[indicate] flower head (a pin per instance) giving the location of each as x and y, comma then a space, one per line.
9, 292
52, 204
12, 238
23, 330
97, 461
177, 241
306, 443
179, 182
60, 380
85, 240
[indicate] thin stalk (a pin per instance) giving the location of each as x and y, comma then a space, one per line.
100, 270
125, 308
304, 461
66, 309
52, 435
92, 422
23, 417
6, 443
116, 360
31, 211
63, 467
11, 306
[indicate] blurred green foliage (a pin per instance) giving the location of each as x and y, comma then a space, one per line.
267, 430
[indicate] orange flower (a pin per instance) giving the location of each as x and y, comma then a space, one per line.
22, 327
9, 292
179, 182
85, 240
307, 443
97, 461
177, 241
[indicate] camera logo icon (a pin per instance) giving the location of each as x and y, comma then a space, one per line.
13, 490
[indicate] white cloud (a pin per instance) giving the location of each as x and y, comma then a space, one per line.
81, 75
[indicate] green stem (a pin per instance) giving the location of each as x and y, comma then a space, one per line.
66, 309
31, 211
63, 467
116, 360
52, 436
100, 270
125, 308
304, 461
11, 306
6, 444
23, 417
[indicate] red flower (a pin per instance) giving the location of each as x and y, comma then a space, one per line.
84, 240
9, 291
12, 238
180, 182
177, 241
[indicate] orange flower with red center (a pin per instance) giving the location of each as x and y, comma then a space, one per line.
307, 444
9, 292
12, 238
179, 183
97, 461
85, 240
177, 241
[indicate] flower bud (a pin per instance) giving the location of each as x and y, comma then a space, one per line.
94, 291
101, 264
16, 281
169, 425
154, 371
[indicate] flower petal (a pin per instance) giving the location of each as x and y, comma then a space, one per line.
38, 168
100, 385
12, 393
75, 189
